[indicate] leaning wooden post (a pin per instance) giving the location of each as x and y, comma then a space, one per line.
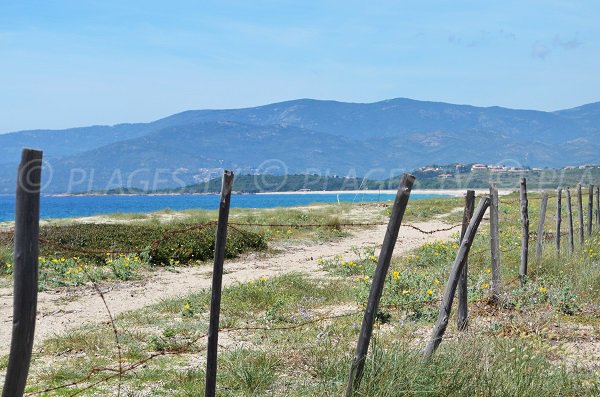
215, 300
570, 231
558, 217
463, 252
524, 231
580, 207
540, 235
383, 264
463, 311
494, 243
590, 209
25, 276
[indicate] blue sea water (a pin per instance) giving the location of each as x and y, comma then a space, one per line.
77, 206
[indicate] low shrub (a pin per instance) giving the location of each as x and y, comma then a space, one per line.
199, 245
158, 244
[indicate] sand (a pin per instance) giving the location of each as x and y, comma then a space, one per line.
61, 310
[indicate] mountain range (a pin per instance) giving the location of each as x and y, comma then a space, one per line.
376, 140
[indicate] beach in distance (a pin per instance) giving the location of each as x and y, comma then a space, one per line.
73, 206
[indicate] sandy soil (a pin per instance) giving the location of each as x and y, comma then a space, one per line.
61, 310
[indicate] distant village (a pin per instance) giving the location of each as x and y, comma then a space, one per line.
449, 171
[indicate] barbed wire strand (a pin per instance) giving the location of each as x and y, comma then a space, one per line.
123, 370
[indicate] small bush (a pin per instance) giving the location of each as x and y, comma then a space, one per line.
160, 244
199, 245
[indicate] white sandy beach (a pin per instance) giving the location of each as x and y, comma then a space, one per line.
441, 192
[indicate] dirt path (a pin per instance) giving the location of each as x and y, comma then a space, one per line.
59, 311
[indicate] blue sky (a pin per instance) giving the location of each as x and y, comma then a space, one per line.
74, 63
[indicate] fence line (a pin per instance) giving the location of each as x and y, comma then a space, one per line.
29, 231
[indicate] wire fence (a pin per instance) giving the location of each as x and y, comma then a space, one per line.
88, 381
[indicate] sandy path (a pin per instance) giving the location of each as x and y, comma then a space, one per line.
61, 310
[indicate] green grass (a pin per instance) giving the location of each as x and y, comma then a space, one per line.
73, 253
284, 336
304, 360
424, 210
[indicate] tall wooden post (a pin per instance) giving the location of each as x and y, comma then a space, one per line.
540, 235
580, 208
446, 306
383, 264
495, 243
558, 217
25, 276
217, 284
590, 209
598, 206
524, 231
463, 311
570, 231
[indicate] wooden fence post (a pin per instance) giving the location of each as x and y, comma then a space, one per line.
570, 231
463, 310
463, 252
540, 235
25, 276
495, 243
580, 207
383, 264
217, 281
524, 231
558, 217
590, 209
598, 206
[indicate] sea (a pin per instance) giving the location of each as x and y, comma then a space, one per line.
56, 207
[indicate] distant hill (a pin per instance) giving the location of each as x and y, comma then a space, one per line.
376, 140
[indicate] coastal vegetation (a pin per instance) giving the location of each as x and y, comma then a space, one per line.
293, 334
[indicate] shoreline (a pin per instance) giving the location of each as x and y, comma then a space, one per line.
441, 192
437, 192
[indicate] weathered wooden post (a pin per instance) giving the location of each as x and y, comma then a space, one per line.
558, 217
540, 235
495, 243
524, 231
217, 283
598, 206
446, 306
463, 310
580, 207
383, 264
25, 276
570, 231
590, 209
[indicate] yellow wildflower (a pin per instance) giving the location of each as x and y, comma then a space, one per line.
485, 286
543, 290
429, 292
396, 275
366, 278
